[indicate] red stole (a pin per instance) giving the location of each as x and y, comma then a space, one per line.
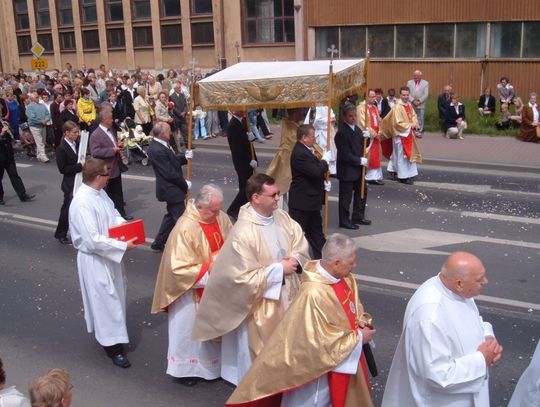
213, 235
407, 141
339, 382
374, 151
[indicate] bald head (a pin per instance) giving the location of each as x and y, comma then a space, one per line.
464, 274
417, 75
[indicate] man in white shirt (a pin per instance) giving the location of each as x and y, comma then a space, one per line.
445, 349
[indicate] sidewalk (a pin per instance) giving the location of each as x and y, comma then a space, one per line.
483, 152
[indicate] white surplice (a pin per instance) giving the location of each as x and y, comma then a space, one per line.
398, 160
99, 258
235, 353
436, 361
527, 391
317, 392
321, 136
186, 357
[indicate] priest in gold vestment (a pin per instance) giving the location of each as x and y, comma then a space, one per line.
315, 355
183, 273
280, 167
253, 280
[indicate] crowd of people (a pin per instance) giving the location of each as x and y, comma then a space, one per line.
266, 281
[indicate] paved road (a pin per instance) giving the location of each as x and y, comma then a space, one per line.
487, 212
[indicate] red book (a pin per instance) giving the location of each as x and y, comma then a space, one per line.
128, 230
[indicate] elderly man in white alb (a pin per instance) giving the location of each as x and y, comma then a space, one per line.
446, 349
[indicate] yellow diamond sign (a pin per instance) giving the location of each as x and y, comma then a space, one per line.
37, 49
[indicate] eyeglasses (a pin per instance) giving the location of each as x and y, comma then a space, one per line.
275, 195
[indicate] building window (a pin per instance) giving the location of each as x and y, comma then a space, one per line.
43, 18
116, 38
381, 41
88, 11
141, 9
24, 43
352, 44
505, 40
90, 39
201, 6
46, 41
170, 8
65, 13
531, 40
21, 15
325, 37
439, 41
171, 34
114, 10
67, 41
268, 21
409, 41
142, 36
202, 33
470, 40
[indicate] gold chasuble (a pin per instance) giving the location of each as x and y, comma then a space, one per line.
313, 338
280, 167
235, 288
396, 123
189, 253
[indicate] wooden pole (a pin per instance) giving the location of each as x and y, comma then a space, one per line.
332, 50
366, 117
190, 128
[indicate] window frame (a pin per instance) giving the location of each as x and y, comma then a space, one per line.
83, 6
61, 42
59, 10
192, 8
17, 15
39, 12
108, 35
108, 15
199, 23
84, 33
133, 8
179, 45
258, 43
162, 10
145, 46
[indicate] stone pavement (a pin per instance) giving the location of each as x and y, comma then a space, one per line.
475, 151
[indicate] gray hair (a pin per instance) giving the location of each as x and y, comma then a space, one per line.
158, 129
348, 107
207, 193
338, 246
141, 88
104, 114
533, 94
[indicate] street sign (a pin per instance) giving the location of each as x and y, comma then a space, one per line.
37, 49
40, 63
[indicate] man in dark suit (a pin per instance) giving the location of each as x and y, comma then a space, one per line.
349, 143
103, 145
171, 187
128, 96
443, 101
306, 194
179, 114
69, 166
243, 157
7, 163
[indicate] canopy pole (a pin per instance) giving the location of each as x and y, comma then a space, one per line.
332, 50
190, 128
366, 118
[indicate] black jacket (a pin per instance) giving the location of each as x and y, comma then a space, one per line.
66, 160
490, 105
385, 108
127, 103
307, 187
350, 148
6, 148
66, 115
240, 148
451, 116
442, 104
180, 106
171, 187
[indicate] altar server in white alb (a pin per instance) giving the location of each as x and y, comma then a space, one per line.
527, 391
99, 261
446, 349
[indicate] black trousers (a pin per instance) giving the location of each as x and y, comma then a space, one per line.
350, 190
261, 124
63, 221
240, 199
311, 223
113, 350
16, 181
174, 211
114, 190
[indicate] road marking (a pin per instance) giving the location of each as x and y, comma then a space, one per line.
419, 241
46, 224
20, 165
475, 189
490, 216
484, 298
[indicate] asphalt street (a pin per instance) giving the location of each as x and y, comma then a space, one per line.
493, 214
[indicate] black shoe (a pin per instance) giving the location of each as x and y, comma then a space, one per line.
407, 181
2, 202
128, 217
364, 222
64, 240
121, 361
350, 226
156, 247
26, 198
392, 176
187, 381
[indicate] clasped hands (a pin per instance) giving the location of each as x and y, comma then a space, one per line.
491, 350
290, 264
